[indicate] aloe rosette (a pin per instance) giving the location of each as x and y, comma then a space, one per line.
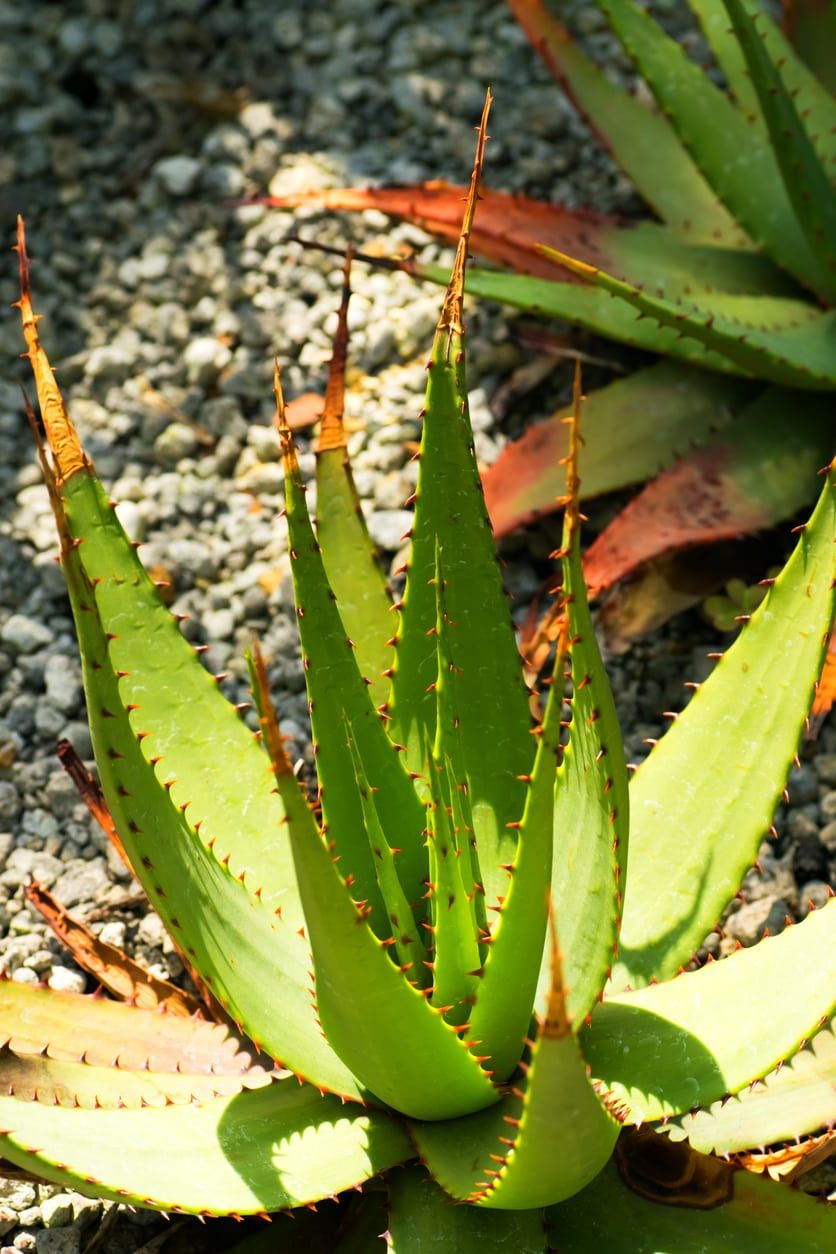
460, 962
734, 281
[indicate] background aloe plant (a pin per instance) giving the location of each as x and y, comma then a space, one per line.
734, 283
464, 951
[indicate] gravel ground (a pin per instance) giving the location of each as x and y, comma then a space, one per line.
131, 127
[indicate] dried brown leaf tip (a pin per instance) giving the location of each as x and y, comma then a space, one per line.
60, 431
332, 428
451, 311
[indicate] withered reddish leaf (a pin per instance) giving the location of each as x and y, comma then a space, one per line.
507, 228
123, 977
91, 795
761, 470
631, 429
304, 411
826, 690
73, 1027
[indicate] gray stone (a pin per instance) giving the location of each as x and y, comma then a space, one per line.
815, 892
8, 1220
802, 786
387, 527
827, 836
175, 442
58, 1241
17, 1194
25, 635
825, 767
9, 801
751, 921
178, 174
81, 881
828, 806
63, 682
204, 359
57, 1211
64, 980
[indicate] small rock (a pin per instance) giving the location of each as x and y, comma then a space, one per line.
809, 859
63, 682
178, 175
17, 1194
81, 881
825, 767
57, 1211
827, 836
175, 442
204, 359
25, 634
828, 806
9, 801
749, 923
802, 786
25, 975
8, 1220
815, 892
63, 980
58, 1241
388, 526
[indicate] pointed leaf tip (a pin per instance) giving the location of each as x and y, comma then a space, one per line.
60, 431
451, 311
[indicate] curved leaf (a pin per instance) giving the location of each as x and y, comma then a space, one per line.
743, 727
423, 1220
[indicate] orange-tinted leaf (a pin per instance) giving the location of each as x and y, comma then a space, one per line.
304, 411
632, 428
91, 794
826, 691
761, 470
118, 973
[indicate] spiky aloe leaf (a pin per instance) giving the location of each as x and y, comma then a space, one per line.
591, 801
642, 142
504, 1158
737, 484
813, 101
69, 1027
33, 1078
743, 727
206, 843
450, 514
666, 1048
632, 429
262, 1150
424, 1220
378, 1022
347, 550
780, 340
734, 155
735, 1211
794, 1101
505, 996
805, 178
336, 692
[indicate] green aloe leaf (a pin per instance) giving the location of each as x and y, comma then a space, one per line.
591, 807
29, 1077
262, 1150
348, 554
68, 1026
632, 429
743, 727
733, 154
642, 142
378, 1022
779, 340
204, 836
755, 1216
504, 1158
807, 183
812, 99
795, 356
424, 1220
337, 693
667, 1048
795, 1101
450, 514
501, 1017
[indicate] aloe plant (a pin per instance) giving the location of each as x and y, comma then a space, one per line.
460, 961
735, 282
